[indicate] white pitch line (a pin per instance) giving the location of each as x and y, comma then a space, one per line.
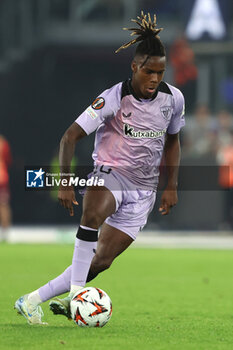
149, 239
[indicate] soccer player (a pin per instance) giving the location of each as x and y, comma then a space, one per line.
136, 122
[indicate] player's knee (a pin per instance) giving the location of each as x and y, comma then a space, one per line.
101, 263
92, 219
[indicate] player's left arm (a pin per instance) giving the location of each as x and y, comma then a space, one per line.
172, 152
172, 159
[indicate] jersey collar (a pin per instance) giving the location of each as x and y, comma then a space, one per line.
131, 90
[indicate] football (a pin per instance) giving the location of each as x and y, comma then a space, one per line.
91, 307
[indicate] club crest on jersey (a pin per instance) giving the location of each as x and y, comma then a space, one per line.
166, 112
98, 103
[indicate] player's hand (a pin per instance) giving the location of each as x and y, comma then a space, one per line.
66, 197
168, 200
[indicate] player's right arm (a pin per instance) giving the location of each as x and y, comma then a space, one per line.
103, 107
66, 194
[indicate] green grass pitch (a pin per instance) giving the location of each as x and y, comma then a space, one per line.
162, 299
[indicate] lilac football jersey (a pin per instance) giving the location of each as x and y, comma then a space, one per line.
131, 132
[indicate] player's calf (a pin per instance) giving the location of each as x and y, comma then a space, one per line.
100, 263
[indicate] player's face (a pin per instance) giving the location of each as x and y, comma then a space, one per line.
146, 78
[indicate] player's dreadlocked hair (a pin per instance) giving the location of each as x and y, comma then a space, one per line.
147, 35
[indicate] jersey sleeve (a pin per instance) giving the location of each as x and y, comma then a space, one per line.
177, 119
104, 106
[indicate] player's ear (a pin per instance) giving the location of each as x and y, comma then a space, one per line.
134, 66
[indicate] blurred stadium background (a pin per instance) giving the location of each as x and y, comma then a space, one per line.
56, 56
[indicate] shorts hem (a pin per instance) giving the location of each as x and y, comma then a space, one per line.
119, 227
